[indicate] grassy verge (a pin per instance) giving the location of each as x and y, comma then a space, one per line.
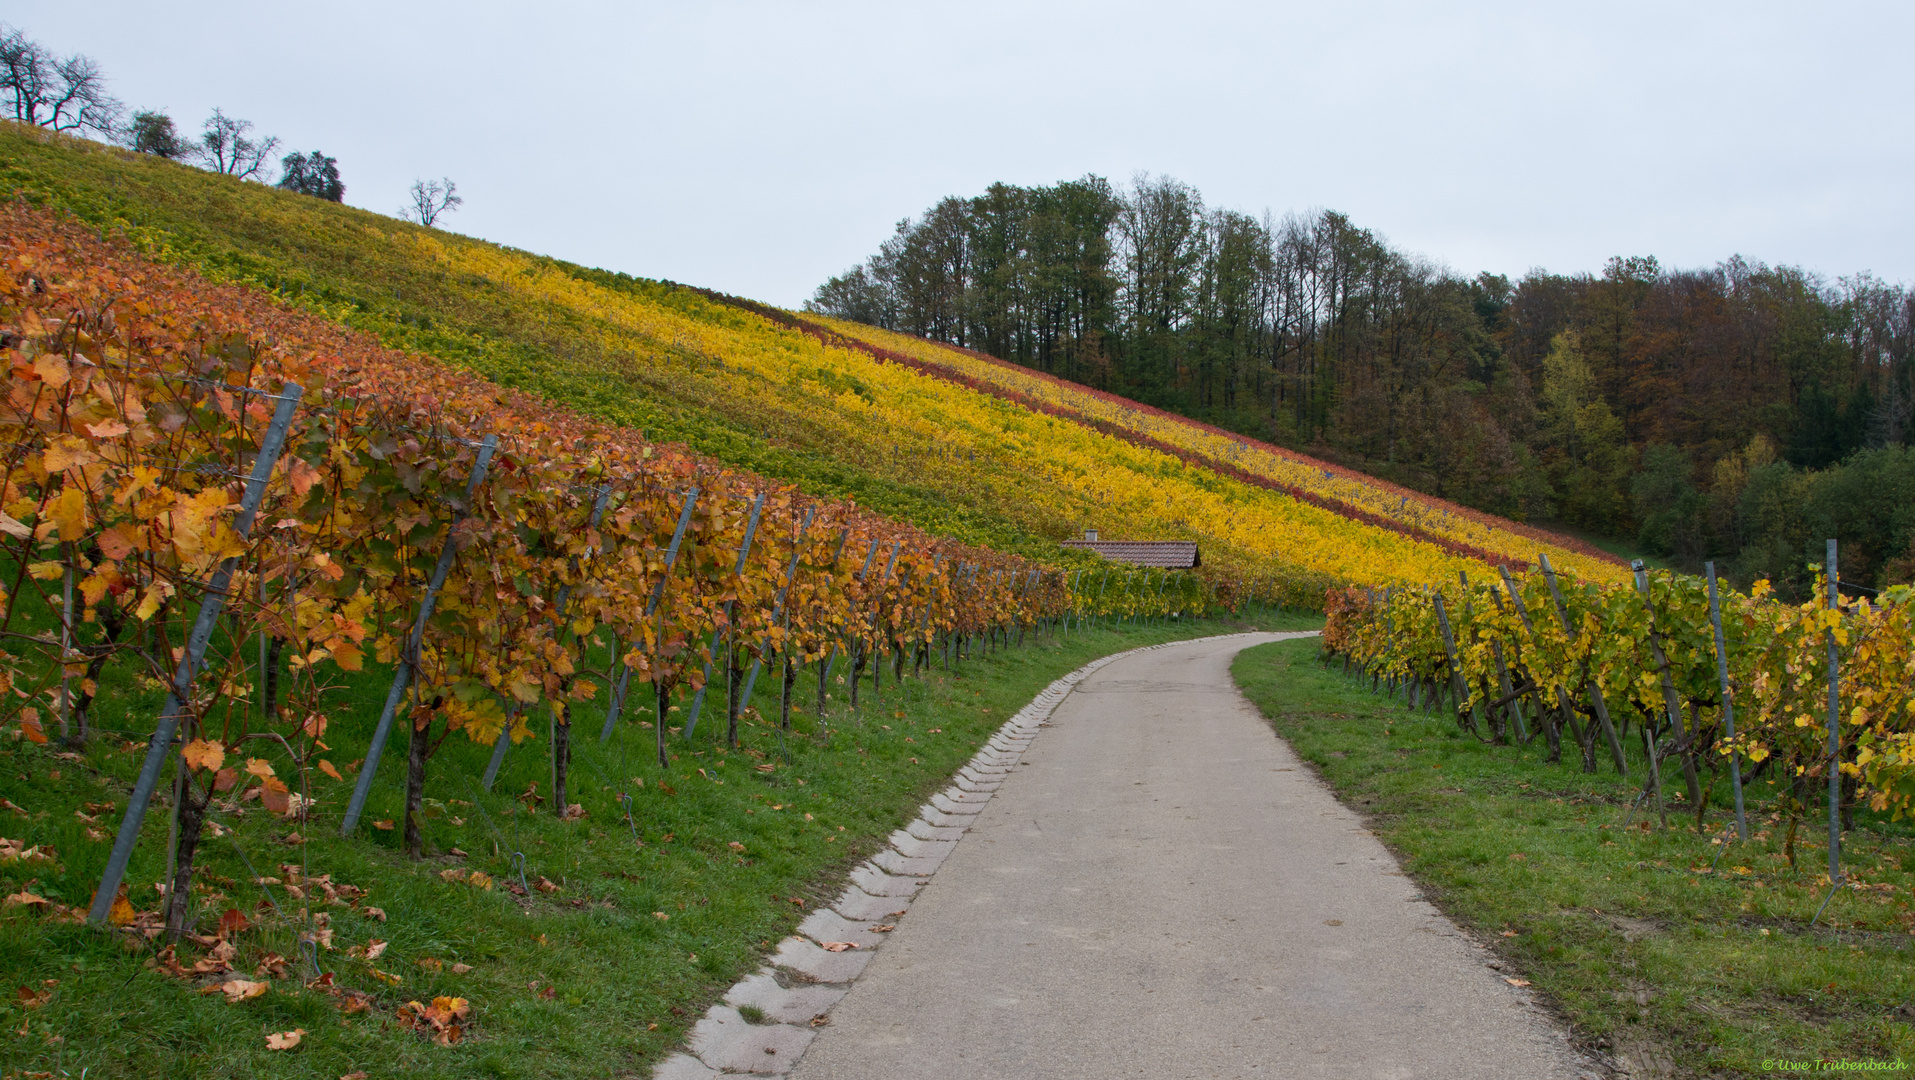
646, 921
1671, 963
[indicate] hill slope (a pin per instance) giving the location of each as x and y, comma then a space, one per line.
979, 462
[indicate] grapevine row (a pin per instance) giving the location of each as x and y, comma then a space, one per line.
1603, 666
184, 457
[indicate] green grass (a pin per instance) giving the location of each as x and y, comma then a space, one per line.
1651, 956
625, 985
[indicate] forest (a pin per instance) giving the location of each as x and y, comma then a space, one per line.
1741, 412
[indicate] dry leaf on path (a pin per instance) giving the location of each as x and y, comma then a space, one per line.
1516, 982
839, 946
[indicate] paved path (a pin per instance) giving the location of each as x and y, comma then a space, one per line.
1158, 890
1148, 885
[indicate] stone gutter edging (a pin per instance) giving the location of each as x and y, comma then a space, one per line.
806, 975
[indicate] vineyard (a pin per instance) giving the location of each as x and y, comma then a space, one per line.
980, 460
255, 511
1820, 696
1457, 529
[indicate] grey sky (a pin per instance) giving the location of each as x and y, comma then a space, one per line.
759, 147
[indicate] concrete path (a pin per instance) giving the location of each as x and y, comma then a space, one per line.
1154, 888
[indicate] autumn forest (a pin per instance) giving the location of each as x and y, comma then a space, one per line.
1740, 412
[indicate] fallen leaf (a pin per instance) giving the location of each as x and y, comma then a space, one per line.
839, 946
259, 767
122, 913
735, 846
354, 1076
373, 913
430, 963
461, 969
1518, 856
31, 998
884, 928
284, 1040
383, 826
454, 874
1333, 922
327, 768
376, 948
1509, 933
544, 885
238, 990
26, 899
479, 880
660, 916
1513, 981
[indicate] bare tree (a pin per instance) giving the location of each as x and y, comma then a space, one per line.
63, 94
430, 200
226, 147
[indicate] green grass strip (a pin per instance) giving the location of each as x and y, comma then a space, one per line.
1654, 958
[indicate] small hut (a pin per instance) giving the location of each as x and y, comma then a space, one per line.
1156, 554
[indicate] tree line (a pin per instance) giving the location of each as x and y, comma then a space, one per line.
69, 94
1740, 412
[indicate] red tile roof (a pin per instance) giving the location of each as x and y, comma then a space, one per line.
1164, 554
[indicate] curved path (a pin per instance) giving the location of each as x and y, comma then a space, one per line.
1158, 889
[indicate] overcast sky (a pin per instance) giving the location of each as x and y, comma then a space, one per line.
758, 148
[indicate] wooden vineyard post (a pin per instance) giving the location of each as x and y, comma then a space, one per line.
924, 625
1596, 701
1685, 739
402, 672
617, 703
1728, 702
1457, 686
1553, 735
1835, 730
877, 613
1510, 696
824, 662
1650, 747
560, 713
744, 553
1498, 727
778, 602
179, 695
853, 645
